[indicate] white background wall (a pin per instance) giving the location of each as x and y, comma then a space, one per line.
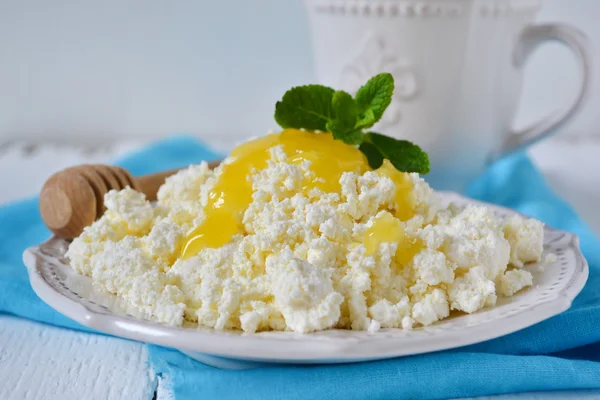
93, 70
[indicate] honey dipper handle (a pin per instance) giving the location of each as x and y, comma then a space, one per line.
149, 184
73, 198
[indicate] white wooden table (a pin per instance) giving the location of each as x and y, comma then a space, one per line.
44, 362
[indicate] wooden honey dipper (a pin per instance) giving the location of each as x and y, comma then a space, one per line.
73, 198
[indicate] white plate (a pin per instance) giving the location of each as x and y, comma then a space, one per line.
552, 293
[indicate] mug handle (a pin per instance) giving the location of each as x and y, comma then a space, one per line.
531, 37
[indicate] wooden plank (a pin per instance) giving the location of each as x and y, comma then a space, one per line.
42, 362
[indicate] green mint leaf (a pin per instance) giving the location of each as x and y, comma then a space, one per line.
366, 119
337, 128
354, 137
309, 107
373, 155
375, 95
404, 155
345, 108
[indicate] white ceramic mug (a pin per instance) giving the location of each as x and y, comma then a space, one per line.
458, 68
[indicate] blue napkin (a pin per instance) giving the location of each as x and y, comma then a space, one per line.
560, 353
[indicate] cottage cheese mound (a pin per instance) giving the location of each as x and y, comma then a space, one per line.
302, 262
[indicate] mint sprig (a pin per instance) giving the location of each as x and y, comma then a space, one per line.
317, 107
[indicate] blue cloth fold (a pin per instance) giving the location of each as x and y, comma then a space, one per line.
562, 352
